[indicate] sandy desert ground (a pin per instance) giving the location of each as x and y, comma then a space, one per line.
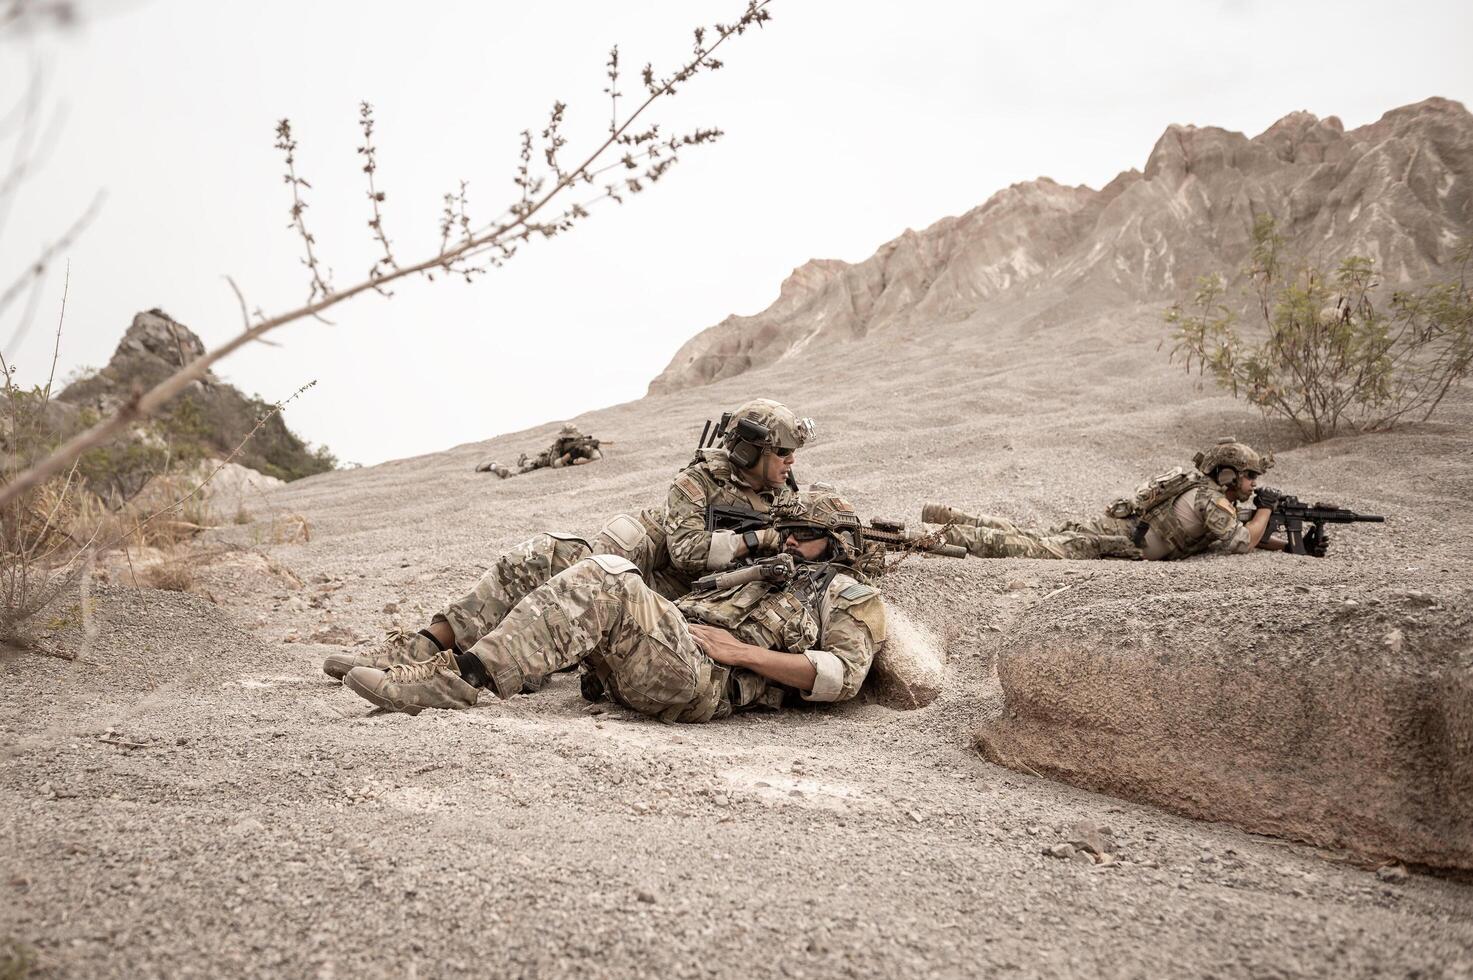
192, 797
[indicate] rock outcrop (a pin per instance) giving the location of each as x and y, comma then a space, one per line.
1399, 191
211, 416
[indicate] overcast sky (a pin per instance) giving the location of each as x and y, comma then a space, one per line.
847, 122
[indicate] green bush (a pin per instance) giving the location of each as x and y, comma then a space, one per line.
1323, 354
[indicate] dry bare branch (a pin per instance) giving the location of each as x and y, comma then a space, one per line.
494, 243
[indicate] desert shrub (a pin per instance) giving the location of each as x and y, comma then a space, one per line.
35, 527
1324, 354
172, 575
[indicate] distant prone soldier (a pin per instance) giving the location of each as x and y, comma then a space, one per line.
570, 448
802, 625
1176, 514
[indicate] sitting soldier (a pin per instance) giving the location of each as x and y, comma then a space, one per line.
809, 632
1174, 515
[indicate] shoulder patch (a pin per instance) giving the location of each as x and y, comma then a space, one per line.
687, 484
1223, 503
857, 591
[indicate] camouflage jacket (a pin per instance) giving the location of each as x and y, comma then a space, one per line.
578, 447
824, 613
1191, 522
710, 481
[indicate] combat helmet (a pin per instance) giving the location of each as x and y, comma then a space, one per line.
762, 424
569, 429
1229, 454
820, 508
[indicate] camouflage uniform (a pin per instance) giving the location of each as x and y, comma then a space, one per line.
1174, 515
670, 546
570, 448
643, 540
600, 612
995, 537
670, 549
639, 643
491, 466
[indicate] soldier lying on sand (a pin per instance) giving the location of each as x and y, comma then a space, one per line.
670, 545
1174, 515
570, 448
722, 648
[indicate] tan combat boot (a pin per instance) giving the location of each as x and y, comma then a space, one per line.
411, 688
405, 648
942, 514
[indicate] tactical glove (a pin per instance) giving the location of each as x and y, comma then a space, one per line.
768, 542
1316, 542
1267, 497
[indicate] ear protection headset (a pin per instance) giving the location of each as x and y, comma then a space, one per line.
1225, 476
746, 440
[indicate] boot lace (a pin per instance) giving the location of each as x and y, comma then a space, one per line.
421, 671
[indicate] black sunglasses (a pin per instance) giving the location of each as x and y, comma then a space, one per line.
804, 533
780, 452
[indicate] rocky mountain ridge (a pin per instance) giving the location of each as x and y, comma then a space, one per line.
1399, 190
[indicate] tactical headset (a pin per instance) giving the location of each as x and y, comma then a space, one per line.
746, 440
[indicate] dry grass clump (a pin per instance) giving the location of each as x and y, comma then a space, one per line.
291, 529
174, 575
16, 960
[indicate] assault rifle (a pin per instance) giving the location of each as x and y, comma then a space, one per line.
890, 535
1290, 515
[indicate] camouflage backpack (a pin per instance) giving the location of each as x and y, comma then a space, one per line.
1155, 491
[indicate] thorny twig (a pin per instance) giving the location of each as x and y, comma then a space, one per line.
495, 243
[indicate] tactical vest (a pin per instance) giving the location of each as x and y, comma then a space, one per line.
772, 615
1159, 489
1162, 518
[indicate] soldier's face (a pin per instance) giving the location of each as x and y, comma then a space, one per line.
1243, 489
805, 550
772, 469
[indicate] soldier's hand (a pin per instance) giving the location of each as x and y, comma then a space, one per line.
769, 541
1316, 542
1268, 497
718, 644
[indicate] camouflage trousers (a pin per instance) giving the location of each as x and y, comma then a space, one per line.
535, 562
996, 537
600, 612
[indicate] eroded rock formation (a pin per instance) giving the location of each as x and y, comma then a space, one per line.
1399, 191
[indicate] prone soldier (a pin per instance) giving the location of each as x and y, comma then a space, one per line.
1174, 515
570, 448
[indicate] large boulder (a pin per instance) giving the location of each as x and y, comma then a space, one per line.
1290, 710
